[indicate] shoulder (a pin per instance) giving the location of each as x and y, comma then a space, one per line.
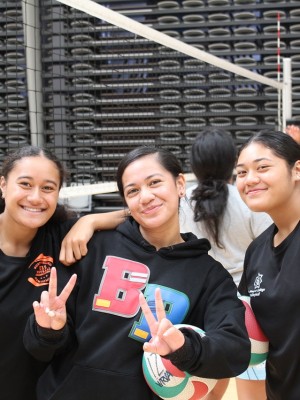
105, 238
235, 202
186, 202
257, 221
236, 210
60, 228
234, 196
217, 274
261, 240
186, 214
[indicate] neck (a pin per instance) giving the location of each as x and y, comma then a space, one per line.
162, 238
286, 221
15, 241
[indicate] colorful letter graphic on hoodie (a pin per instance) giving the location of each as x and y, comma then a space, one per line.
120, 287
176, 306
119, 291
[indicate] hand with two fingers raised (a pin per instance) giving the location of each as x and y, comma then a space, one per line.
51, 312
166, 338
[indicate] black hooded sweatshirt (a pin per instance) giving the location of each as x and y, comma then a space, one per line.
98, 355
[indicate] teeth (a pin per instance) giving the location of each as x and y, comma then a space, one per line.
32, 209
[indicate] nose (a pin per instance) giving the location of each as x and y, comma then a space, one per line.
146, 195
252, 177
34, 195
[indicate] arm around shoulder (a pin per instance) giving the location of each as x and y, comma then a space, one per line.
74, 244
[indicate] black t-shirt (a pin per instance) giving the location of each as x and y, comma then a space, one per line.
22, 279
272, 278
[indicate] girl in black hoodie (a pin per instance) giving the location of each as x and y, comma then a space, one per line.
96, 353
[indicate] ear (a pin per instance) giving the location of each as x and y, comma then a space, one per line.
180, 183
2, 186
297, 170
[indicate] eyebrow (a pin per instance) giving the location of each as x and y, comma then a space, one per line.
257, 160
31, 178
147, 178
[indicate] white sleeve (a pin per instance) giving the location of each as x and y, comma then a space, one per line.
259, 221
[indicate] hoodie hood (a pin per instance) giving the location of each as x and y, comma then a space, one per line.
192, 246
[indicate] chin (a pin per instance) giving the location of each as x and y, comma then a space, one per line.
35, 223
257, 207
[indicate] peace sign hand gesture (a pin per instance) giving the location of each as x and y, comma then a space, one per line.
166, 338
51, 312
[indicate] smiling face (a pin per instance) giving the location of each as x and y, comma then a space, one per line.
152, 194
264, 180
31, 192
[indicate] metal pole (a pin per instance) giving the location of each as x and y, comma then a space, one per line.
279, 116
287, 91
31, 23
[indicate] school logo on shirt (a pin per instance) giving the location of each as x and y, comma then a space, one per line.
40, 269
258, 281
257, 286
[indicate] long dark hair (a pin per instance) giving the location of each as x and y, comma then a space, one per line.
61, 213
280, 143
167, 159
213, 156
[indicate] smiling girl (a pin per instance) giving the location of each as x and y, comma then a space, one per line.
268, 179
145, 253
32, 226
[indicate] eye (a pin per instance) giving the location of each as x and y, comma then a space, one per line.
262, 167
25, 184
131, 192
240, 173
155, 182
48, 189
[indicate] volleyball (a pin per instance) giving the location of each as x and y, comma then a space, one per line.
259, 341
168, 382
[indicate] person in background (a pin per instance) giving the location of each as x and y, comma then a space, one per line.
268, 180
213, 209
145, 253
293, 129
32, 225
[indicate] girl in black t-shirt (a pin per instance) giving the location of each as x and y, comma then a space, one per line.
268, 179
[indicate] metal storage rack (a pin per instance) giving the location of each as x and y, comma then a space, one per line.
107, 91
14, 124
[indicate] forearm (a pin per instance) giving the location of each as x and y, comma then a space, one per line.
74, 245
211, 357
107, 220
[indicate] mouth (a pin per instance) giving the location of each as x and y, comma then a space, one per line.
254, 191
33, 210
151, 210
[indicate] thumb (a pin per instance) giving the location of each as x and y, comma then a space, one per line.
174, 338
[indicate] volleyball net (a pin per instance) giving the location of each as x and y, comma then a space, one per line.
102, 80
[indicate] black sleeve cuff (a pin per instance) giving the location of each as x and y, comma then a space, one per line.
184, 353
51, 335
